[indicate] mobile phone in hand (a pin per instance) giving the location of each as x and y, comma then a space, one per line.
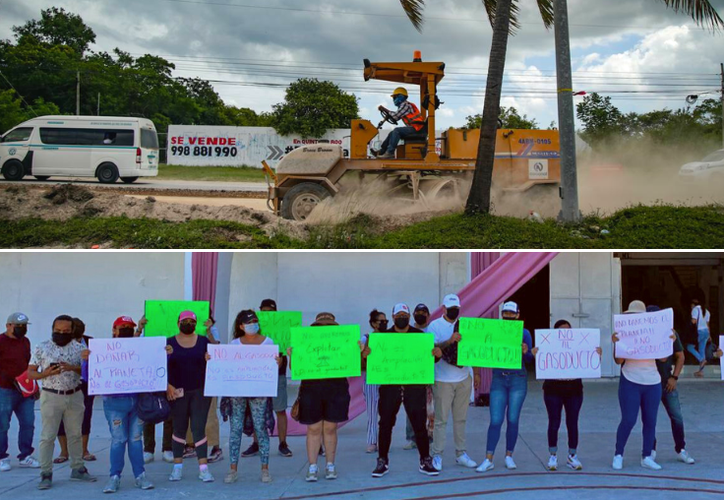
179, 393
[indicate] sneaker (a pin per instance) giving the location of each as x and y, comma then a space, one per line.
552, 463
510, 463
485, 466
437, 462
427, 468
650, 463
176, 474
30, 462
617, 462
82, 474
684, 456
231, 477
375, 152
205, 475
168, 457
5, 465
189, 452
284, 450
251, 451
410, 445
387, 156
112, 485
143, 482
653, 454
46, 481
330, 472
265, 476
312, 474
371, 448
381, 469
216, 455
573, 463
465, 461
148, 457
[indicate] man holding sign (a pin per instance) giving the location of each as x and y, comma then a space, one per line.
639, 339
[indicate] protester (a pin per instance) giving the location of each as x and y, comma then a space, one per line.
323, 404
246, 332
414, 398
639, 387
670, 396
507, 393
79, 336
453, 386
56, 363
280, 402
186, 378
421, 315
557, 395
371, 392
14, 359
123, 423
700, 318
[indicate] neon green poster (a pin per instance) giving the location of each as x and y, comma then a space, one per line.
401, 358
325, 352
490, 343
162, 316
277, 326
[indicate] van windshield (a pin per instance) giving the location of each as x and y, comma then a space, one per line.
149, 139
18, 135
716, 156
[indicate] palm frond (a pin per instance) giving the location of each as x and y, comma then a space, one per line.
413, 9
546, 12
701, 11
491, 6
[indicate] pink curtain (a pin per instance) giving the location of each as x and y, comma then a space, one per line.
203, 272
479, 261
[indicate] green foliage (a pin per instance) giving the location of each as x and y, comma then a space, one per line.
508, 116
311, 107
13, 111
230, 174
58, 27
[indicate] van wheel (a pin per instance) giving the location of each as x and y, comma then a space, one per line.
107, 173
42, 177
299, 201
13, 170
129, 180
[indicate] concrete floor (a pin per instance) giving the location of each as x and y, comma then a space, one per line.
703, 403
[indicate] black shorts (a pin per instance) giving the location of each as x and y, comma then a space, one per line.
324, 400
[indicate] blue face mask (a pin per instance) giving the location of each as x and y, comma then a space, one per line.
399, 99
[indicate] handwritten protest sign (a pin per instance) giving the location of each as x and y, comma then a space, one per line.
277, 326
127, 365
401, 358
162, 316
490, 343
644, 335
325, 352
567, 353
242, 371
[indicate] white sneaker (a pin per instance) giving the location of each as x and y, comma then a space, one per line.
649, 463
312, 474
437, 462
573, 462
31, 463
653, 454
205, 476
176, 474
617, 462
685, 457
485, 466
553, 462
168, 457
465, 461
148, 457
330, 472
510, 463
5, 465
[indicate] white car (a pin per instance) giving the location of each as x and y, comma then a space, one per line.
704, 169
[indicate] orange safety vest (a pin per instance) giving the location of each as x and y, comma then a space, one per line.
414, 119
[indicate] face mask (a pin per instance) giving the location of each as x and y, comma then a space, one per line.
251, 328
125, 332
383, 325
62, 339
510, 319
453, 313
420, 319
19, 331
402, 322
398, 100
187, 329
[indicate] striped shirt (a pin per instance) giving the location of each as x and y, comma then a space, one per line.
403, 110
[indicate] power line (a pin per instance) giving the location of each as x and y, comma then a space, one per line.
19, 94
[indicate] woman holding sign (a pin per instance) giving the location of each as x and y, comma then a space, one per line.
378, 322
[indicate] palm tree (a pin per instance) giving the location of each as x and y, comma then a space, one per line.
503, 16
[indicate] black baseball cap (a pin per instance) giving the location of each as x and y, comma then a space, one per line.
268, 303
422, 307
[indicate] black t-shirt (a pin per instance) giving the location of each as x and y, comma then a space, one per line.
187, 365
664, 367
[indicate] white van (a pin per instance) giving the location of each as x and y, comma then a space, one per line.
106, 147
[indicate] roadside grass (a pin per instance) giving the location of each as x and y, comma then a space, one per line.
222, 174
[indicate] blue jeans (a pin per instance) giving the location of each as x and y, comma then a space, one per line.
11, 401
126, 428
393, 139
673, 408
507, 392
699, 351
631, 397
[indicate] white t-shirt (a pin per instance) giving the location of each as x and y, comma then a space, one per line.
237, 341
702, 319
641, 371
444, 371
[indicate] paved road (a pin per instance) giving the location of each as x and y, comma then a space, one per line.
153, 183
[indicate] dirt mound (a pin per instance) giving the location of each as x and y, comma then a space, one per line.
62, 193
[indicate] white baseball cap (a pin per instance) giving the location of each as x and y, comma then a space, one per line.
511, 306
400, 308
451, 300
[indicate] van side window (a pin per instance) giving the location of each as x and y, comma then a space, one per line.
18, 135
149, 139
86, 137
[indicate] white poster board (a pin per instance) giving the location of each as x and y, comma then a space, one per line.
567, 353
242, 371
127, 365
644, 335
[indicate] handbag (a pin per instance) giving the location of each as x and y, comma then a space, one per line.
153, 407
294, 413
27, 387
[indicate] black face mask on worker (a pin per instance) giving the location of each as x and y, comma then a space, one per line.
62, 339
187, 328
19, 331
402, 322
452, 313
125, 332
420, 319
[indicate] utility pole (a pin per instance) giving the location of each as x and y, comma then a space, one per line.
98, 111
566, 123
722, 103
77, 93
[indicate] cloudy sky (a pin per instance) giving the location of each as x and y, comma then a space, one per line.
639, 52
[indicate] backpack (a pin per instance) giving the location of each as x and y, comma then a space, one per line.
153, 407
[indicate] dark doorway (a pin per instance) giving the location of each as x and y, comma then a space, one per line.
533, 299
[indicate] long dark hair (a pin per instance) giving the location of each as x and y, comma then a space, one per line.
374, 314
700, 301
561, 322
78, 328
238, 330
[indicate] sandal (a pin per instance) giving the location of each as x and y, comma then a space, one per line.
60, 459
90, 457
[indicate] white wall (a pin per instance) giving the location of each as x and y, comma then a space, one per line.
96, 287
